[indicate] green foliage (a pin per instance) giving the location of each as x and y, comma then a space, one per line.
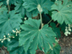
28, 25
2, 8
14, 48
4, 43
33, 37
19, 8
9, 22
10, 1
62, 12
55, 50
32, 6
56, 30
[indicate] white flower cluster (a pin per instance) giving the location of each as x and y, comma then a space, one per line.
5, 38
68, 30
17, 31
8, 38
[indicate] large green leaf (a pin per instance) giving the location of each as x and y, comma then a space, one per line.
32, 37
33, 4
62, 12
56, 49
9, 22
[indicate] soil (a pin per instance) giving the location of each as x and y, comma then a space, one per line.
65, 43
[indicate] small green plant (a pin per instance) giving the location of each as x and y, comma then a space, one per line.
29, 25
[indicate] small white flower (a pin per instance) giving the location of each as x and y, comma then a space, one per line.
13, 31
66, 34
8, 34
16, 29
4, 36
8, 39
25, 18
13, 37
68, 30
69, 33
2, 41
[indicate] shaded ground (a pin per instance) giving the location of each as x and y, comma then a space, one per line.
3, 50
65, 43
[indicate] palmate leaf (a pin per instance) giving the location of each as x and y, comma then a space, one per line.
9, 22
33, 37
55, 50
19, 8
62, 12
33, 4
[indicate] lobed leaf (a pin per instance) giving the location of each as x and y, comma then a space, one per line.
31, 37
62, 12
33, 6
9, 22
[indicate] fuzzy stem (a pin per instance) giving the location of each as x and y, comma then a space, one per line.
8, 8
49, 21
41, 20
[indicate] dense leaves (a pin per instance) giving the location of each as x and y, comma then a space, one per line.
55, 49
32, 6
32, 36
19, 8
9, 22
62, 12
4, 43
56, 30
14, 48
20, 25
10, 1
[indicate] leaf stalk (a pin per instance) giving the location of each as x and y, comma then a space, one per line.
41, 20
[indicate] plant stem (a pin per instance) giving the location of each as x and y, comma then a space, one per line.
49, 21
57, 25
41, 20
8, 8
